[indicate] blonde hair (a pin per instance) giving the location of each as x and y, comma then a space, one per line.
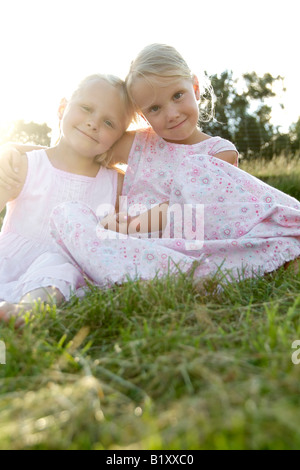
119, 84
161, 60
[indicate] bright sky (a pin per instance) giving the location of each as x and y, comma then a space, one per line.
47, 46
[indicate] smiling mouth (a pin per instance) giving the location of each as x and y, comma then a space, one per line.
87, 135
177, 125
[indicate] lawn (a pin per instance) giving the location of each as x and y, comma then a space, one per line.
161, 365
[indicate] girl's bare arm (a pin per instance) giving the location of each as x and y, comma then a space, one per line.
120, 151
229, 156
7, 194
22, 148
119, 188
153, 220
11, 162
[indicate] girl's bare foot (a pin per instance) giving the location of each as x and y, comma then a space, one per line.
49, 295
17, 311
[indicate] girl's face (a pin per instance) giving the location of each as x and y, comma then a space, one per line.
170, 106
94, 119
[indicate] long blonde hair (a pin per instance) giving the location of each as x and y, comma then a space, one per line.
160, 60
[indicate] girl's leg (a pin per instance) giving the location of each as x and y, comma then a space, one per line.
48, 295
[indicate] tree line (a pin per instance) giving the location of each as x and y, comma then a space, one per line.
244, 117
27, 133
241, 115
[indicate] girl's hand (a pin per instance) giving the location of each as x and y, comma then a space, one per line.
117, 222
153, 220
10, 163
110, 222
123, 222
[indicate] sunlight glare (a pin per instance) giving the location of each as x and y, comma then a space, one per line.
51, 46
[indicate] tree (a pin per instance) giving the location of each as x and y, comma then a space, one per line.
224, 91
281, 145
243, 116
30, 132
295, 137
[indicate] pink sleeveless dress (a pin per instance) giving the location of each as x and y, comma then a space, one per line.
29, 257
246, 227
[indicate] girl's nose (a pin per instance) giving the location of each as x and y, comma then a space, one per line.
92, 124
172, 112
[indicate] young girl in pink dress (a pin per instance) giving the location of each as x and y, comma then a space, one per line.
31, 266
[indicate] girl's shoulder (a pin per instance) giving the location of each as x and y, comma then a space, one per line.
215, 144
219, 144
219, 147
147, 135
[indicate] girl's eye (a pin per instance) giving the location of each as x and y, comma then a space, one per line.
109, 123
154, 109
86, 108
178, 95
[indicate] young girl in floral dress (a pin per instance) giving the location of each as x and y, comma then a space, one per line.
247, 227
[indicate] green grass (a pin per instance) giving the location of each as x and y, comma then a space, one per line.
281, 172
158, 365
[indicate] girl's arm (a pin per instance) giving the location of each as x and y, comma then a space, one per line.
153, 220
22, 148
229, 156
120, 151
7, 194
110, 221
10, 163
119, 188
